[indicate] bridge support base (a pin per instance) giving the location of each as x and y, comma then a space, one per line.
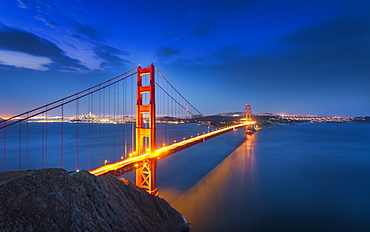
146, 176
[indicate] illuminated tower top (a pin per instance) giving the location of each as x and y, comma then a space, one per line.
248, 113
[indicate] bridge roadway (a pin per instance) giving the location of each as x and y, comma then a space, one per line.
126, 165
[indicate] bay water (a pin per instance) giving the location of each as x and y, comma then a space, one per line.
307, 177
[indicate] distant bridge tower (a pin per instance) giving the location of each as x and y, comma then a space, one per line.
248, 113
248, 118
145, 128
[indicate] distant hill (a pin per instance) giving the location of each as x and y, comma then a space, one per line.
362, 119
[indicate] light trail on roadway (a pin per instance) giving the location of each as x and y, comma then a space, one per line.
129, 164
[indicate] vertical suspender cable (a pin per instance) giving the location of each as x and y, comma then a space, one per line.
124, 124
77, 132
19, 146
89, 132
159, 113
43, 144
109, 124
27, 143
133, 124
62, 139
46, 137
114, 123
4, 147
99, 130
104, 130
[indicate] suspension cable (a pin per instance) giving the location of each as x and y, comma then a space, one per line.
52, 103
178, 92
63, 103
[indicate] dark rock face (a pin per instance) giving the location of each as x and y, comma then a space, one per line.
53, 200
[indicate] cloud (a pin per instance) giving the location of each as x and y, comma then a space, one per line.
228, 52
326, 65
47, 23
22, 41
22, 60
166, 52
111, 56
338, 48
226, 5
203, 29
21, 4
336, 44
40, 6
224, 54
207, 7
87, 30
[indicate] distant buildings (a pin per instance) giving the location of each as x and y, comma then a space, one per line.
316, 118
215, 120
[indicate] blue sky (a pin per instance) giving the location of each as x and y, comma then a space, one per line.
288, 56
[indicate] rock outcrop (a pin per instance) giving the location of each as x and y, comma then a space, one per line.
54, 200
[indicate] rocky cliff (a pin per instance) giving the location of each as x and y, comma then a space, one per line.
54, 200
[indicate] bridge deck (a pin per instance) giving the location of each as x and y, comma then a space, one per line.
124, 166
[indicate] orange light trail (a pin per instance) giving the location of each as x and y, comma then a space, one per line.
171, 149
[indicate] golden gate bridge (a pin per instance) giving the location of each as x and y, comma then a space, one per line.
117, 126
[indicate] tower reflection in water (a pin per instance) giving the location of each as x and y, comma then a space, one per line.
222, 200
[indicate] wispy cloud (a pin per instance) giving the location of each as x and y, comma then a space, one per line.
23, 60
337, 45
46, 22
166, 52
203, 29
87, 30
111, 56
40, 6
22, 41
228, 51
21, 4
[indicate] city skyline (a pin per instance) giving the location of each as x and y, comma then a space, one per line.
286, 57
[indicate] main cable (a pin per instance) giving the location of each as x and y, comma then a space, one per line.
178, 92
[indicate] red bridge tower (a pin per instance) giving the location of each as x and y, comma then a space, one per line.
248, 113
248, 118
145, 128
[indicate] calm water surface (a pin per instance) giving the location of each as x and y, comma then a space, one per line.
310, 177
78, 145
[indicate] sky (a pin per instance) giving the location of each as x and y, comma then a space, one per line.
282, 57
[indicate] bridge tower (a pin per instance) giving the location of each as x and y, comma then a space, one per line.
145, 128
248, 118
248, 113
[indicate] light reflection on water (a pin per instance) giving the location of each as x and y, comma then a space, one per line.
217, 197
311, 177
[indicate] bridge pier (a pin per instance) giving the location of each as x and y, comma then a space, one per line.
146, 176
